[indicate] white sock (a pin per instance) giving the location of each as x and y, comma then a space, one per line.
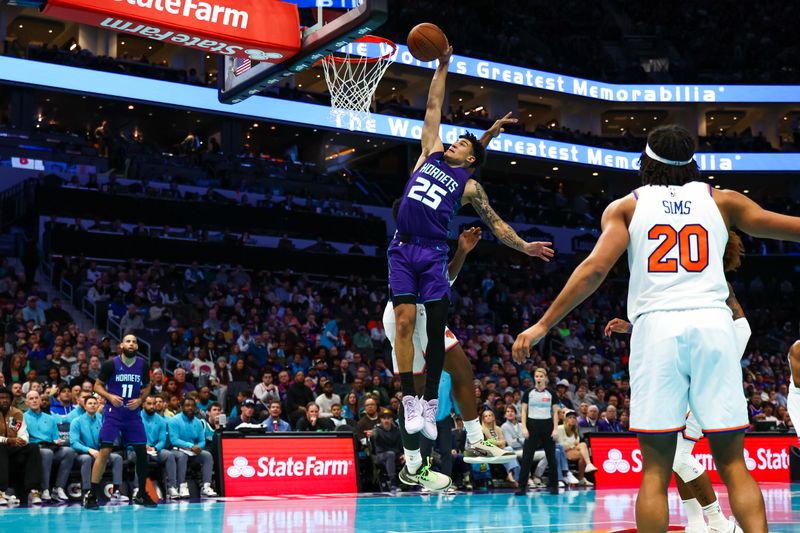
413, 460
474, 431
694, 512
793, 406
715, 517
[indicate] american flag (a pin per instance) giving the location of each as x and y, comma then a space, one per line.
242, 65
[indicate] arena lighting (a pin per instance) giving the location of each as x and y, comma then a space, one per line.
143, 90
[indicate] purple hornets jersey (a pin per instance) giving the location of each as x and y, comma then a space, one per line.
123, 381
431, 199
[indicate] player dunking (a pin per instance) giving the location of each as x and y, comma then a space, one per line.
440, 184
123, 382
694, 484
683, 346
477, 450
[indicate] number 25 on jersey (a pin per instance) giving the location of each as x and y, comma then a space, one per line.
426, 192
692, 243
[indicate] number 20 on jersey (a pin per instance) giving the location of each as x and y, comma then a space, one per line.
692, 243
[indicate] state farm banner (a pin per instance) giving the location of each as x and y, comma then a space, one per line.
297, 464
263, 30
619, 460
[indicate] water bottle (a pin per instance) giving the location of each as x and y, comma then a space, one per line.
222, 420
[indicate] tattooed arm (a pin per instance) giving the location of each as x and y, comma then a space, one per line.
475, 195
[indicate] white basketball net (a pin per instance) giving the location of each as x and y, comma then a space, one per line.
352, 81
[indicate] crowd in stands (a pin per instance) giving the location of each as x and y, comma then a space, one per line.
290, 353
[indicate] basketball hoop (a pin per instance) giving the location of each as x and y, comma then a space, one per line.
352, 78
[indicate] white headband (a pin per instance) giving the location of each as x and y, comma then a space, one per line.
652, 155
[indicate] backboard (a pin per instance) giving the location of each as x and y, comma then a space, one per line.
334, 28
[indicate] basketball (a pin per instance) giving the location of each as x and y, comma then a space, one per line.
427, 41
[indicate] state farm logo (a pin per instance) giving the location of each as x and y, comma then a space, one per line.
201, 11
241, 468
305, 467
615, 463
749, 461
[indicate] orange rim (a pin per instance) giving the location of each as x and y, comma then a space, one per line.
371, 39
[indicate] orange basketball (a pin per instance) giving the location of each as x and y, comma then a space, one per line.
427, 42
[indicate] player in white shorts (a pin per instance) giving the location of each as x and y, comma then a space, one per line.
456, 363
793, 401
694, 484
683, 346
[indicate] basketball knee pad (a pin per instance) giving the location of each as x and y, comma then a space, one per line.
687, 467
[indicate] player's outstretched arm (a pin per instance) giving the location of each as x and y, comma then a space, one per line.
748, 216
475, 194
467, 242
496, 129
587, 277
431, 143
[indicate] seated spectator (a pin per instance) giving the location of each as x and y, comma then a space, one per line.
388, 444
367, 422
62, 405
172, 405
212, 425
16, 450
350, 409
43, 431
298, 394
562, 390
156, 429
274, 423
591, 421
57, 314
266, 390
204, 399
33, 312
326, 400
569, 438
18, 395
84, 437
313, 421
338, 418
188, 439
341, 377
609, 423
157, 381
202, 367
492, 431
512, 431
247, 415
131, 322
183, 384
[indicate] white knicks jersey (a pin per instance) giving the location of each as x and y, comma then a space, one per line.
420, 338
677, 240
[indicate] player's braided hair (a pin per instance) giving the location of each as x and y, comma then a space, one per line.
674, 143
734, 250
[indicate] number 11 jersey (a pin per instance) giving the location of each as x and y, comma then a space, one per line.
431, 199
124, 381
677, 240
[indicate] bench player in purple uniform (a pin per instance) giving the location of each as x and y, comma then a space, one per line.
123, 382
418, 255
